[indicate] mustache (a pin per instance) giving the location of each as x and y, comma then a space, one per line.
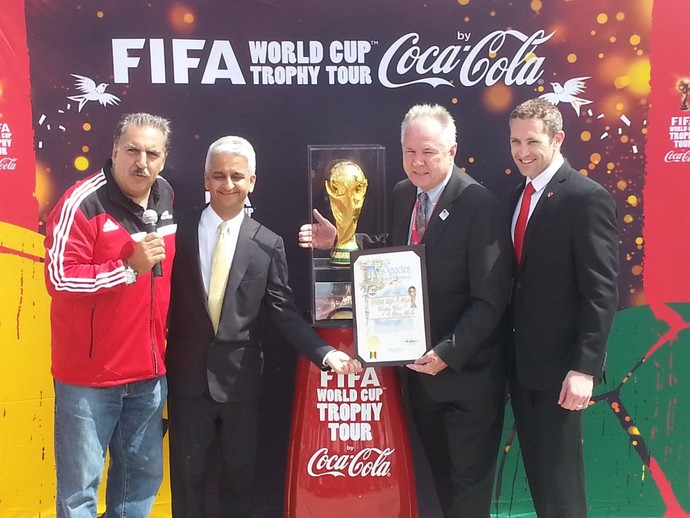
139, 171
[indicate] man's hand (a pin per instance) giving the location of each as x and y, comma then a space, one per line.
431, 364
341, 363
320, 235
147, 252
576, 391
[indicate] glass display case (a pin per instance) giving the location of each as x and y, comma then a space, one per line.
347, 186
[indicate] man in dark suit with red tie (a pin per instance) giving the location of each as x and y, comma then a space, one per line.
564, 301
214, 356
457, 389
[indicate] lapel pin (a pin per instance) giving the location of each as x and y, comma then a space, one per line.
549, 194
444, 214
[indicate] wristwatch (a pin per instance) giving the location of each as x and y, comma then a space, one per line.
130, 275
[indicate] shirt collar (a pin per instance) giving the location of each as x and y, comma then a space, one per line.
435, 193
210, 221
547, 174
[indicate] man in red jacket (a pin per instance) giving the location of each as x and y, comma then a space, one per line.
108, 317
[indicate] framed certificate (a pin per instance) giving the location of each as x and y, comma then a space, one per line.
390, 305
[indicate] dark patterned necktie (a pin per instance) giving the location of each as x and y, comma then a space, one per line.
421, 215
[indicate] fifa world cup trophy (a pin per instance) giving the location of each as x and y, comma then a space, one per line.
684, 88
346, 186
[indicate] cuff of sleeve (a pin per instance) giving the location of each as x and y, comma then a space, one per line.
444, 350
329, 353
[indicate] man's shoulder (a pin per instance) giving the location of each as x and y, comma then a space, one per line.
463, 184
86, 186
464, 177
163, 198
261, 232
580, 184
189, 216
187, 222
83, 196
403, 185
163, 185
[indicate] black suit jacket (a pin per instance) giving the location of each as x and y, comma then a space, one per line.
469, 259
565, 291
229, 364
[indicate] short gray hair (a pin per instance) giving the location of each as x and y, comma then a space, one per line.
433, 111
143, 120
235, 146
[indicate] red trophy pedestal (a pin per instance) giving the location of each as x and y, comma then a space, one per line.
349, 449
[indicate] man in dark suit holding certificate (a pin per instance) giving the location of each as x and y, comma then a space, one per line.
229, 278
457, 389
564, 301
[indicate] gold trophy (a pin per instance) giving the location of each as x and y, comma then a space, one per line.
684, 88
346, 186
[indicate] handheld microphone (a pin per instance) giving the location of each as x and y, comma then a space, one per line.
150, 218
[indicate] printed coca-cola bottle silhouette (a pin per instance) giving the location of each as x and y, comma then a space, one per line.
349, 449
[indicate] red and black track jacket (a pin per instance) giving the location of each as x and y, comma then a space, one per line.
103, 331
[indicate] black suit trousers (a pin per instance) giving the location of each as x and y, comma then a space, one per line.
551, 445
199, 427
461, 440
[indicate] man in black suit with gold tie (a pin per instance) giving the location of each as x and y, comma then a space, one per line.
457, 389
564, 302
229, 278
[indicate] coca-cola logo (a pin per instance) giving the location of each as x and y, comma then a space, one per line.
677, 156
406, 63
368, 462
8, 164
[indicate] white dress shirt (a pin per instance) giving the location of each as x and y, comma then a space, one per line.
209, 224
539, 183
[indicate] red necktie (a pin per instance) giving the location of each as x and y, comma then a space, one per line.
521, 223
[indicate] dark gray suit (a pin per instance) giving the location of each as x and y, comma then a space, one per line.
459, 412
215, 379
564, 302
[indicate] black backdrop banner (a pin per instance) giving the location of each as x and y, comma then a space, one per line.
287, 74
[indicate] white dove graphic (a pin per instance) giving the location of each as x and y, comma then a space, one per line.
91, 92
568, 93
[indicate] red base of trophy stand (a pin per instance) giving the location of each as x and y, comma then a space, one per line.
349, 449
